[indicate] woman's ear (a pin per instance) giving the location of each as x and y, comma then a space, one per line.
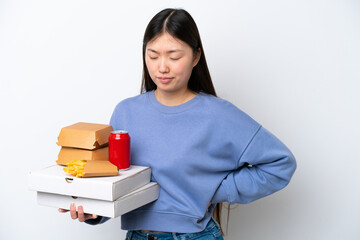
197, 56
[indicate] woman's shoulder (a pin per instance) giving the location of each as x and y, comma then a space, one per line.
217, 101
134, 101
225, 110
220, 104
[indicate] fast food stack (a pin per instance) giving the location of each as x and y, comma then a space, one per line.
84, 150
84, 175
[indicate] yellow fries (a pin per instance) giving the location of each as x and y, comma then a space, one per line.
76, 168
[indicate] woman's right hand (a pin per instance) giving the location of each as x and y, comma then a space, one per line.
79, 214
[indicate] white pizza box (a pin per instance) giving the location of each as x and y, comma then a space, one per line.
54, 180
112, 209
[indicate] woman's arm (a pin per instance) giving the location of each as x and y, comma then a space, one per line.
265, 166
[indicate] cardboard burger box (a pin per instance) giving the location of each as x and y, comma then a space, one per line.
68, 154
87, 141
112, 209
83, 135
54, 180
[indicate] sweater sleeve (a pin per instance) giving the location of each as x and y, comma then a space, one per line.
264, 167
96, 221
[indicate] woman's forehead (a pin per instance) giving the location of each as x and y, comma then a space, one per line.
166, 42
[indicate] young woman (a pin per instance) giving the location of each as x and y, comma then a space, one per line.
202, 149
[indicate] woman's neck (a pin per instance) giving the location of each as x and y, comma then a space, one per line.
172, 98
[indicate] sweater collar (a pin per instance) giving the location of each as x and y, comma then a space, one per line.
173, 109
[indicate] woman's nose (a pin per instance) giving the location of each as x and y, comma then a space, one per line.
163, 68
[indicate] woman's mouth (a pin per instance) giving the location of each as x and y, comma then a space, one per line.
165, 80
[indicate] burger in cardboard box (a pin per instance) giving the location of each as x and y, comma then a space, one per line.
68, 154
85, 135
84, 150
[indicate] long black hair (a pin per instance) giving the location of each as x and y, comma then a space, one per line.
179, 24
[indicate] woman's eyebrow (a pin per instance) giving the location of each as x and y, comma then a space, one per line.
151, 50
170, 51
175, 50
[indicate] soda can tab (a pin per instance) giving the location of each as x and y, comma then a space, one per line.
119, 149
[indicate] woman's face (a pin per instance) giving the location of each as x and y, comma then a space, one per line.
170, 62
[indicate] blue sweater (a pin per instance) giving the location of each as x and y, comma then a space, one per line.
205, 150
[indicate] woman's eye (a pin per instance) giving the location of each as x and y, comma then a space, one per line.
152, 58
174, 59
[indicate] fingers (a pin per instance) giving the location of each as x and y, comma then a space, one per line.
84, 216
90, 216
62, 210
73, 213
207, 209
79, 214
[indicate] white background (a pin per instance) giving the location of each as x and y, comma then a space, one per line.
291, 65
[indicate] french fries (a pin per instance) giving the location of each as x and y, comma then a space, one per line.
76, 168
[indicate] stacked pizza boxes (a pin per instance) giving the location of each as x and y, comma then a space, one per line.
100, 188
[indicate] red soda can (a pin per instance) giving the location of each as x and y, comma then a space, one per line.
119, 149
